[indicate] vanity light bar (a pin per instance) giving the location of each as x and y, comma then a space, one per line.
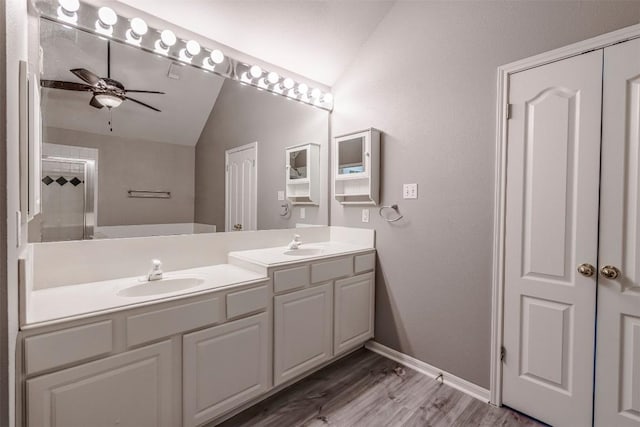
106, 23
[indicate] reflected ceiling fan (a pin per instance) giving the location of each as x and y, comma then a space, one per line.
106, 91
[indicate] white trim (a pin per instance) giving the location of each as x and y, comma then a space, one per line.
250, 146
451, 380
497, 289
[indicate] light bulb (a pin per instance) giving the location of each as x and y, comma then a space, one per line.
255, 71
216, 56
328, 98
316, 93
69, 6
193, 48
303, 89
67, 10
107, 16
273, 77
167, 38
288, 83
138, 27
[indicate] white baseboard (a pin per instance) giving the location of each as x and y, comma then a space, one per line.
451, 380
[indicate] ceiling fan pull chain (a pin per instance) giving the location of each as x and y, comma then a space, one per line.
110, 119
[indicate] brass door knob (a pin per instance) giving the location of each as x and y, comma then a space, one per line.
610, 272
586, 270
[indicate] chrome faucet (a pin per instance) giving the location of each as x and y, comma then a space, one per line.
295, 243
156, 270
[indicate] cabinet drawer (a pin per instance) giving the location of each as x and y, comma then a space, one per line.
292, 278
147, 327
247, 301
323, 271
365, 262
67, 346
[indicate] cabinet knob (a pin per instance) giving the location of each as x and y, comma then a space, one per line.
586, 270
610, 272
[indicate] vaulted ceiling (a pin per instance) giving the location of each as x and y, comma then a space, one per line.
317, 39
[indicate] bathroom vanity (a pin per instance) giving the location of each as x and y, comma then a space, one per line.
197, 346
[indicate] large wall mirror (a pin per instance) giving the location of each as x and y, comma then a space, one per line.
205, 154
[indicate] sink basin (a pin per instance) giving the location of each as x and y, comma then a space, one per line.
160, 287
303, 252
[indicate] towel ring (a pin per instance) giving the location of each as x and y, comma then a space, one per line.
395, 208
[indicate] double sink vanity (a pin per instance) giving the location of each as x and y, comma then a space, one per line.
201, 343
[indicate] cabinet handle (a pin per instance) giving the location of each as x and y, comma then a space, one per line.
586, 270
610, 272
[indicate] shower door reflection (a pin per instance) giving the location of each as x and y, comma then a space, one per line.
67, 199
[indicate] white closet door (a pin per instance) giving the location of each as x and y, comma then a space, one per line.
618, 332
551, 228
241, 192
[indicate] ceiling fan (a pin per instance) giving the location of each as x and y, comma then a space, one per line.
106, 91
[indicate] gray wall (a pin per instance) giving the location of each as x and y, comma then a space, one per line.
133, 164
243, 115
427, 79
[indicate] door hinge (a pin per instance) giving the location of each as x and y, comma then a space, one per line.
227, 168
503, 353
508, 111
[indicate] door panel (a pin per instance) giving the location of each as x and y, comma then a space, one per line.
224, 366
551, 227
303, 331
617, 400
241, 189
131, 389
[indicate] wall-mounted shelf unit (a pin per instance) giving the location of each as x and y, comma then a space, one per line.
356, 170
303, 174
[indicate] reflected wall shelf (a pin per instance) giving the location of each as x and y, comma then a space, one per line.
356, 169
302, 181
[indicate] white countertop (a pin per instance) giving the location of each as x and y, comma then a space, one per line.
273, 257
67, 302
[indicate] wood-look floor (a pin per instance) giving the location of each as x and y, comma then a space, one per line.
366, 389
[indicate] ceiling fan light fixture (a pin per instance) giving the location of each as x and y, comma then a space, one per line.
108, 100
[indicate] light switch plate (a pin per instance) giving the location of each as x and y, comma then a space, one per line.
410, 191
280, 195
365, 215
303, 213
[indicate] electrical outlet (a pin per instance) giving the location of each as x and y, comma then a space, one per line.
365, 215
280, 195
303, 213
410, 191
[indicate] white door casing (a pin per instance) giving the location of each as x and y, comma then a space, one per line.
617, 399
551, 225
241, 193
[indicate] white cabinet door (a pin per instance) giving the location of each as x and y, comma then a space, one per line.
132, 389
618, 332
354, 301
551, 228
224, 366
303, 331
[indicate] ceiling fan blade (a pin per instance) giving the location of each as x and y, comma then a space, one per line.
57, 84
142, 103
144, 91
94, 103
86, 75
